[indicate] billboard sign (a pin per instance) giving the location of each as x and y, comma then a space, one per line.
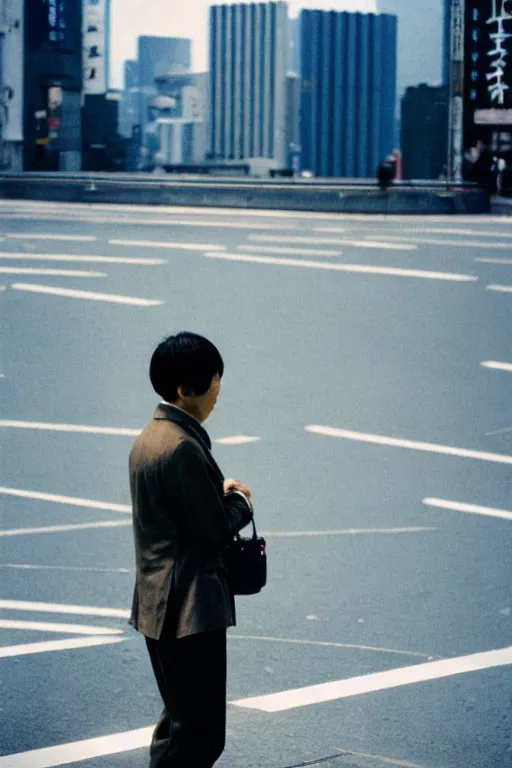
487, 66
95, 36
52, 23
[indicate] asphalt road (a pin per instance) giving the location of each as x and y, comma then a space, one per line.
355, 404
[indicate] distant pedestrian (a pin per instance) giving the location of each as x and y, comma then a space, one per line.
182, 520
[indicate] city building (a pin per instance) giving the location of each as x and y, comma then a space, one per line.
420, 40
447, 39
158, 55
52, 77
181, 117
96, 44
249, 58
131, 74
11, 84
424, 132
348, 71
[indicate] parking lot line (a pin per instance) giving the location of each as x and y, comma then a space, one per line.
377, 681
141, 261
50, 272
46, 236
497, 366
168, 244
87, 429
394, 442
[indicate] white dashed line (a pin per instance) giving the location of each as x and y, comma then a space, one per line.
64, 528
355, 268
92, 430
51, 272
473, 509
439, 241
346, 532
32, 567
394, 442
143, 262
501, 288
70, 610
313, 241
33, 236
497, 366
87, 295
170, 245
47, 647
378, 681
70, 500
65, 629
494, 261
237, 440
284, 250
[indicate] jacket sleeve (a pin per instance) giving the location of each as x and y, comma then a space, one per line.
204, 513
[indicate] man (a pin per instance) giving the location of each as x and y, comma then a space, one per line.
184, 513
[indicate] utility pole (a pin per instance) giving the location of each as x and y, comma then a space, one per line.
456, 113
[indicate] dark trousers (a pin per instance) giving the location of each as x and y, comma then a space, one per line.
191, 677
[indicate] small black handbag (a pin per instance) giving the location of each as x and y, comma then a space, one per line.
246, 563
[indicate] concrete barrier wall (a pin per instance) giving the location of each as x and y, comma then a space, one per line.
292, 195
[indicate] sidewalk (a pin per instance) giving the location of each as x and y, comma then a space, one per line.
501, 206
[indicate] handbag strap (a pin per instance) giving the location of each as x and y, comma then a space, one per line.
254, 534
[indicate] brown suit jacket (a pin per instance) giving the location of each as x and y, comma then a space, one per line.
181, 523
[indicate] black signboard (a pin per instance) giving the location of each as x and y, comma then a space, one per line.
53, 24
487, 67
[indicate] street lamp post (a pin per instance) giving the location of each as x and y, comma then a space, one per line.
456, 111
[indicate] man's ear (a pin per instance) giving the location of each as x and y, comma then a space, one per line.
185, 391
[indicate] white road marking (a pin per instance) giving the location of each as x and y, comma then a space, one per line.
31, 567
499, 432
334, 242
441, 241
121, 431
70, 610
71, 500
77, 751
142, 221
284, 249
357, 268
346, 532
146, 262
63, 528
34, 236
66, 629
447, 450
378, 681
26, 649
501, 288
455, 231
51, 272
493, 261
172, 246
237, 440
326, 644
494, 364
474, 509
379, 759
88, 295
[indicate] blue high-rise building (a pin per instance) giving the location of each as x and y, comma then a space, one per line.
348, 71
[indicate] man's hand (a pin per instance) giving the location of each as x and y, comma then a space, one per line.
235, 485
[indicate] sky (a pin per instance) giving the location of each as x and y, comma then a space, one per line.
184, 18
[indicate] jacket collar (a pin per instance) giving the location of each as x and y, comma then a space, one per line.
187, 422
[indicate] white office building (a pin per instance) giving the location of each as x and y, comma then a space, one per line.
249, 55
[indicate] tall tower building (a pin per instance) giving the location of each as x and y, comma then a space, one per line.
420, 40
348, 70
249, 55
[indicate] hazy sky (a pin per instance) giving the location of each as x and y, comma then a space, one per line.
184, 18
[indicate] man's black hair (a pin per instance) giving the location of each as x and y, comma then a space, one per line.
186, 360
